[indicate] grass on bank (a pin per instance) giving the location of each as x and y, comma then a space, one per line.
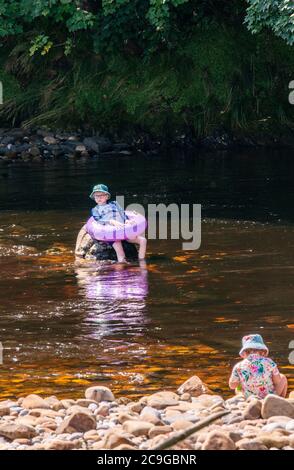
220, 78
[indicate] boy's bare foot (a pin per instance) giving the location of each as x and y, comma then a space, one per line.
123, 261
142, 262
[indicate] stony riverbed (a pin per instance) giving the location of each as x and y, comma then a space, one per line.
101, 421
38, 145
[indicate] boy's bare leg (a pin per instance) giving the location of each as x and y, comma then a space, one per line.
142, 242
119, 251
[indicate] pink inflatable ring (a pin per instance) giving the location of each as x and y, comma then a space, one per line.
110, 233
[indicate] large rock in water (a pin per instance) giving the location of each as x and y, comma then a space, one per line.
87, 248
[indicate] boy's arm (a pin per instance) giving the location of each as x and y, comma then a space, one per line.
276, 376
96, 216
116, 223
234, 380
121, 211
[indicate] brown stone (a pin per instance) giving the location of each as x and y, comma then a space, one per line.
253, 410
99, 393
159, 430
194, 386
143, 400
102, 410
186, 396
59, 444
34, 150
23, 441
276, 406
50, 140
54, 403
85, 403
26, 420
57, 406
163, 399
218, 440
51, 400
250, 444
136, 407
4, 410
124, 416
17, 431
182, 407
38, 412
67, 403
91, 436
150, 418
77, 409
77, 422
125, 447
273, 439
123, 401
114, 438
208, 401
8, 403
137, 428
80, 148
34, 401
171, 413
99, 445
278, 419
47, 423
235, 435
155, 441
181, 424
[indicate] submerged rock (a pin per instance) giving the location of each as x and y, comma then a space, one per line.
87, 248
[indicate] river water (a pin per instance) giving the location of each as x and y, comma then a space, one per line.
137, 328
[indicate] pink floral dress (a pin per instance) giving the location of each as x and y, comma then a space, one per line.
254, 375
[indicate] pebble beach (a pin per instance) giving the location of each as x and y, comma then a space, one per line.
101, 421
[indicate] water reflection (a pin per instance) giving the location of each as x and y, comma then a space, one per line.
64, 327
116, 295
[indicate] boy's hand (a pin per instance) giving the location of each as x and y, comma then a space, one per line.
116, 223
129, 222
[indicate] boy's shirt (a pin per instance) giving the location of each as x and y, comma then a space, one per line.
105, 212
254, 374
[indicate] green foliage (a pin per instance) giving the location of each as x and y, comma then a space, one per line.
159, 12
277, 15
144, 26
42, 43
11, 87
218, 78
157, 65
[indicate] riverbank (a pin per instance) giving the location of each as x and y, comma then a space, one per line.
42, 145
99, 420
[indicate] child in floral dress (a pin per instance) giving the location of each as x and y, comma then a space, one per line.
257, 374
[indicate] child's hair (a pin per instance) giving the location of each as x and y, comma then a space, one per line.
255, 351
